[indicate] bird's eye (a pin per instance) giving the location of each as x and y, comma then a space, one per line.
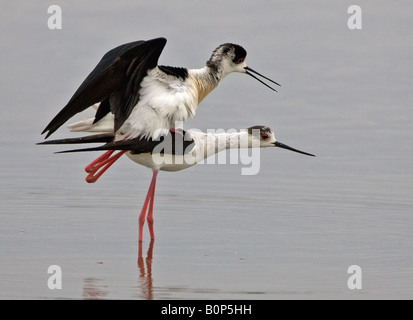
264, 136
240, 60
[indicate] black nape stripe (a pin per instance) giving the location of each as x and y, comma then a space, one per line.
175, 71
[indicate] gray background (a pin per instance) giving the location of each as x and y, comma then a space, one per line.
289, 232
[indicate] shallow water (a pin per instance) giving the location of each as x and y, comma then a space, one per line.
289, 232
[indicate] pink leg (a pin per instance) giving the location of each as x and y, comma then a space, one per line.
150, 213
91, 166
149, 198
176, 131
143, 213
98, 166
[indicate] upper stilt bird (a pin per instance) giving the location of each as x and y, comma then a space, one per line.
145, 99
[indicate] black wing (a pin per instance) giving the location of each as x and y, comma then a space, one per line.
175, 142
96, 138
115, 82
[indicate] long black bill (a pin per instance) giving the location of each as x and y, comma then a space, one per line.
284, 146
250, 74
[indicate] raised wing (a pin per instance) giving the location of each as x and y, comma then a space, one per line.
175, 142
115, 82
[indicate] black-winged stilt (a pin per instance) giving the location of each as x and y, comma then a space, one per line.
175, 151
145, 98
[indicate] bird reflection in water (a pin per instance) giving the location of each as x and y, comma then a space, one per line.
145, 274
92, 290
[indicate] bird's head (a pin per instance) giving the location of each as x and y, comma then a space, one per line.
264, 137
229, 57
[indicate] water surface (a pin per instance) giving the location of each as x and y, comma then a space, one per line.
289, 232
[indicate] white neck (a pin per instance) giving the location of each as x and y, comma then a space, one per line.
211, 143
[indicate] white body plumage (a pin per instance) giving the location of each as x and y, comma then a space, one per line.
165, 100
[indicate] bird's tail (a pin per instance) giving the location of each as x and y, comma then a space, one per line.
96, 138
98, 166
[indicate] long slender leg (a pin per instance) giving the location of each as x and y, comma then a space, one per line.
143, 212
150, 212
149, 197
98, 166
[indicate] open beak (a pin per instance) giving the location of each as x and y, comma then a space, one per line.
284, 146
248, 71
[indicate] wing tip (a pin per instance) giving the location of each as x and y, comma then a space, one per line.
48, 132
161, 41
